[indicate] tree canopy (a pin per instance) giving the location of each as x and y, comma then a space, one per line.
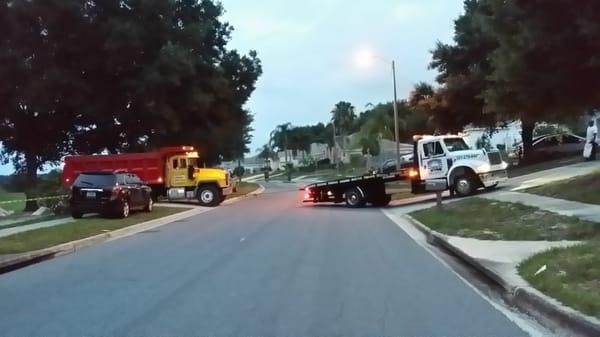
528, 60
86, 76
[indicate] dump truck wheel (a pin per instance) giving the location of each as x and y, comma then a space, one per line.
208, 196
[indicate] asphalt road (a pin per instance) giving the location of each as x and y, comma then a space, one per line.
266, 266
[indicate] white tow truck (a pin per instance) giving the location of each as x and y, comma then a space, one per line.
438, 163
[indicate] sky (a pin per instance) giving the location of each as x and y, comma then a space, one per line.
308, 51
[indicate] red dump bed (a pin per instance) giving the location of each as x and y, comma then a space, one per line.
149, 166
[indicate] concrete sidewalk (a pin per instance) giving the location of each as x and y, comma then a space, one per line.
19, 229
499, 260
552, 175
253, 179
564, 207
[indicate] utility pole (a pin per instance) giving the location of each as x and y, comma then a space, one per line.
334, 149
396, 131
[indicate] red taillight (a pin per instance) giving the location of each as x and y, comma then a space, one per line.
413, 173
116, 191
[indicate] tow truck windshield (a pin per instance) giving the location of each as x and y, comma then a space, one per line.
456, 144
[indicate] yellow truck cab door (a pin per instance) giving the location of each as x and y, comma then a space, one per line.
179, 172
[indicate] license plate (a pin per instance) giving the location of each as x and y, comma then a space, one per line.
90, 194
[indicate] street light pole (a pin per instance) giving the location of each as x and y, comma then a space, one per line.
396, 131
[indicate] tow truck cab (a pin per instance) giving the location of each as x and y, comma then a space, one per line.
447, 162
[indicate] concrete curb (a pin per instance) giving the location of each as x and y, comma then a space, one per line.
254, 193
528, 299
70, 247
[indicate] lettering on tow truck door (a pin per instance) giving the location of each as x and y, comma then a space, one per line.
433, 165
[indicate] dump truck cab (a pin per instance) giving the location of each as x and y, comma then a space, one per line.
186, 179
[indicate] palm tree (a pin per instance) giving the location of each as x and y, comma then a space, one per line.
279, 138
264, 152
342, 117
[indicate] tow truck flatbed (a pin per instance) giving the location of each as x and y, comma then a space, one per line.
356, 191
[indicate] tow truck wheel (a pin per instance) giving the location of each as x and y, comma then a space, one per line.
354, 198
208, 195
463, 186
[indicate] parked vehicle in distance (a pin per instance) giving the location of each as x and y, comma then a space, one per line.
175, 172
553, 145
110, 194
389, 166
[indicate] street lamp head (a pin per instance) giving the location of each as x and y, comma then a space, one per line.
364, 58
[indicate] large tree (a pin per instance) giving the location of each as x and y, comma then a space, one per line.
44, 85
463, 67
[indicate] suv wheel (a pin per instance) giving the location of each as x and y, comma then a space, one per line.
149, 205
124, 211
76, 214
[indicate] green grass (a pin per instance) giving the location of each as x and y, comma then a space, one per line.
9, 196
583, 189
51, 236
494, 220
572, 276
243, 188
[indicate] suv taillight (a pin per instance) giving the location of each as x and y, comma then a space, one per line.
116, 191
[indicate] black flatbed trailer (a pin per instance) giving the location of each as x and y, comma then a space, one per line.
355, 191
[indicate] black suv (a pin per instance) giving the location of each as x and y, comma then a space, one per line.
109, 193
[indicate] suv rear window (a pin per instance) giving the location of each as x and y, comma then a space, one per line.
96, 180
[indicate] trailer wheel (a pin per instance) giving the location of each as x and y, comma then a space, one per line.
382, 200
354, 198
208, 195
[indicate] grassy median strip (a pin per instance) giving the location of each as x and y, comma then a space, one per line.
243, 188
16, 206
572, 275
83, 228
583, 189
494, 220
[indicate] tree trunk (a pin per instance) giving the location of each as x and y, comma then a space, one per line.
32, 166
527, 137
